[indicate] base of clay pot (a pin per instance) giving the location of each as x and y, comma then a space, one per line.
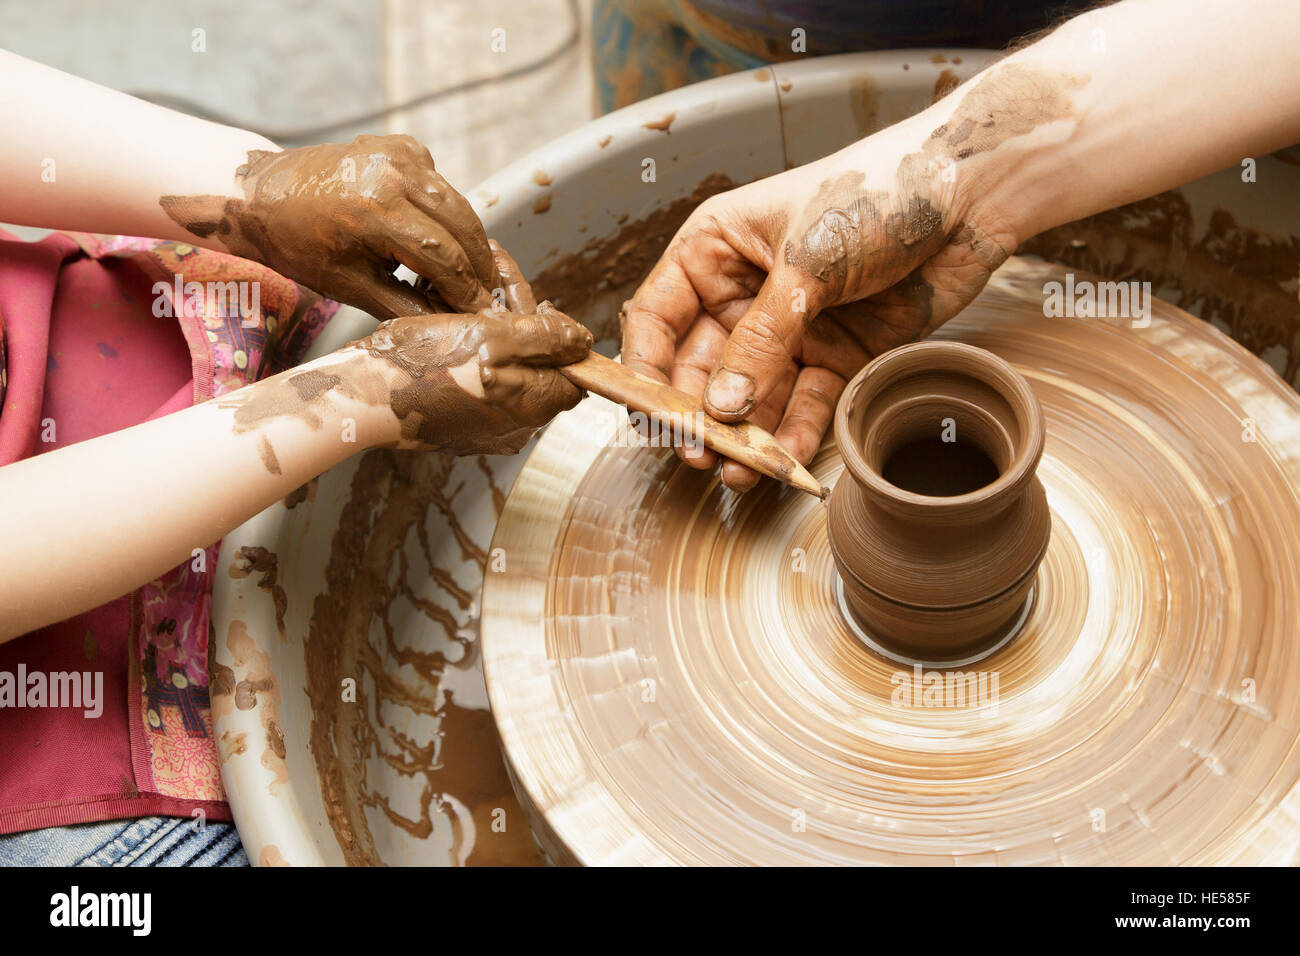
924, 655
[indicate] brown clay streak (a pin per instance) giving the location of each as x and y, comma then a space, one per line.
1227, 273
265, 563
461, 766
1009, 100
304, 492
852, 232
305, 395
856, 233
232, 745
268, 455
259, 690
622, 259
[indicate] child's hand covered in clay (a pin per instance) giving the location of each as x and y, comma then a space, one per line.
340, 217
476, 384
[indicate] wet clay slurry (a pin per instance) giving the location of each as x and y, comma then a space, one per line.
1202, 260
938, 522
674, 681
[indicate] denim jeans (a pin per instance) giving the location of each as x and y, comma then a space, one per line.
148, 841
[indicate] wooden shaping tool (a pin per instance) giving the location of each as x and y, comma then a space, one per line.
743, 442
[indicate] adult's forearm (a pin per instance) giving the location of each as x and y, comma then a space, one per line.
80, 156
1124, 102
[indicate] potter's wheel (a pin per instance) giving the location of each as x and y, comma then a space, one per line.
674, 682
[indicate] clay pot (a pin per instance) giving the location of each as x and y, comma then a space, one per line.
938, 522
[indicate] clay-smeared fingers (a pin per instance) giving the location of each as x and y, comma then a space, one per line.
434, 196
740, 477
383, 295
428, 250
696, 356
545, 338
833, 340
762, 345
908, 310
809, 412
952, 278
663, 308
529, 394
437, 304
519, 294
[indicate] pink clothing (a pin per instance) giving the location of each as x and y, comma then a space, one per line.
88, 345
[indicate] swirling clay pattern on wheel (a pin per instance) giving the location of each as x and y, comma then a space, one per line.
675, 683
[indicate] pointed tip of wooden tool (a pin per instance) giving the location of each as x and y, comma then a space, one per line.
801, 478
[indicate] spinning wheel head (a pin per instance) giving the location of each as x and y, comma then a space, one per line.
674, 680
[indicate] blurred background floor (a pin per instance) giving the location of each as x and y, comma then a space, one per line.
289, 67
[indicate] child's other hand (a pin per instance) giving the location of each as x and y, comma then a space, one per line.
480, 383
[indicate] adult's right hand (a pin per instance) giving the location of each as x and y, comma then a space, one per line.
772, 296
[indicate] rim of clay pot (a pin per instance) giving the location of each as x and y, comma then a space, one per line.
961, 358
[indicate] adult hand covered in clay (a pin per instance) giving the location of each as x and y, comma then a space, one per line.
771, 296
477, 384
339, 218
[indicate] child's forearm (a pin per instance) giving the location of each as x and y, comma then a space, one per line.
336, 217
95, 520
80, 156
92, 521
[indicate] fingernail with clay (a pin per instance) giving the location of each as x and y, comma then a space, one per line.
729, 393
